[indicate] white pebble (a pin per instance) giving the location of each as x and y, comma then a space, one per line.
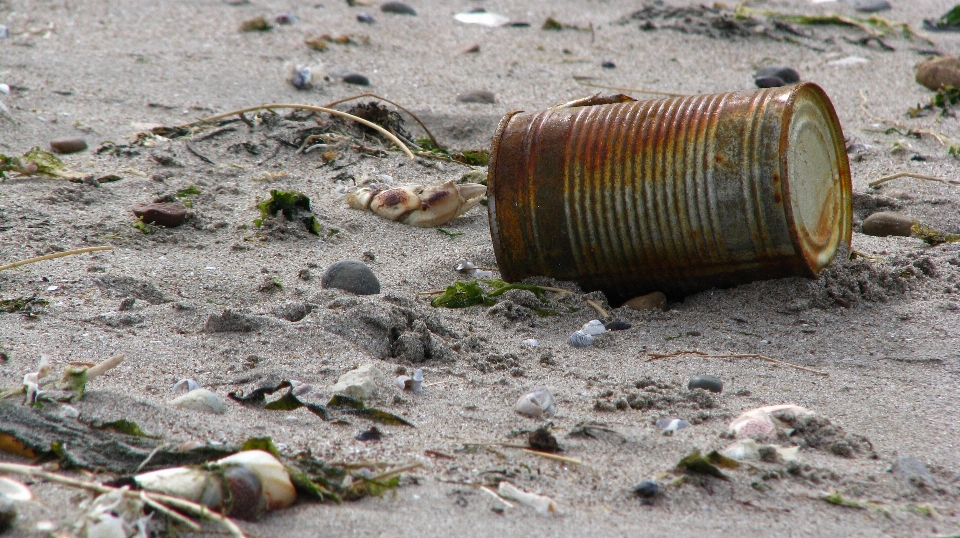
532, 342
593, 327
201, 400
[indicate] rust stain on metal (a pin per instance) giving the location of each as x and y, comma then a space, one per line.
675, 195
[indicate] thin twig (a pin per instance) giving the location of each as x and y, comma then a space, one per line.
384, 475
101, 367
215, 132
554, 457
54, 255
598, 308
622, 89
150, 457
375, 96
174, 502
191, 524
199, 155
658, 356
332, 111
899, 175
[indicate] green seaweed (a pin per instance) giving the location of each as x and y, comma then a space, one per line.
140, 225
293, 205
931, 236
707, 465
466, 293
188, 191
15, 305
948, 21
261, 443
479, 157
44, 164
551, 24
126, 427
839, 500
352, 406
448, 233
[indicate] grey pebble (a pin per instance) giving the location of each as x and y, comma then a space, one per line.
481, 96
351, 275
231, 321
782, 72
397, 7
68, 145
301, 77
365, 18
127, 304
607, 64
617, 326
769, 82
292, 311
580, 339
646, 489
8, 513
872, 6
356, 78
912, 472
706, 382
886, 223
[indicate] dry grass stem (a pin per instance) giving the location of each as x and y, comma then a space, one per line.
506, 503
312, 108
554, 457
398, 470
658, 356
598, 308
55, 255
899, 175
101, 367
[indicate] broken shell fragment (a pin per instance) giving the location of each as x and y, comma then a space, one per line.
670, 425
749, 449
414, 383
420, 206
184, 386
13, 490
471, 270
536, 404
541, 503
593, 327
580, 339
201, 400
761, 423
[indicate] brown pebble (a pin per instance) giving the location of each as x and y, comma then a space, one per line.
68, 145
163, 214
938, 72
650, 301
481, 96
888, 223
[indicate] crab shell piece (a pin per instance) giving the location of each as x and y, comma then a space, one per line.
761, 424
420, 206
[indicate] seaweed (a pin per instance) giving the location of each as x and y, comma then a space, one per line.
948, 22
295, 206
35, 162
708, 465
466, 293
15, 305
931, 236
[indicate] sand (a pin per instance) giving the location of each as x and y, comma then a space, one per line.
107, 70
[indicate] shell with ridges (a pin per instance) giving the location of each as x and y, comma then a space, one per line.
580, 339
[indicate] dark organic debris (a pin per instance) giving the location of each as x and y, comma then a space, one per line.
339, 404
169, 215
708, 465
295, 206
541, 439
29, 305
769, 82
466, 293
948, 22
373, 434
382, 116
398, 8
356, 78
256, 24
646, 489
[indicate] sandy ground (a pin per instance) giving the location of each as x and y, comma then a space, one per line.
103, 69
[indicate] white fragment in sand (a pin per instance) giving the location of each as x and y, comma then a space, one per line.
491, 20
184, 386
46, 526
13, 490
201, 400
53, 288
414, 383
848, 61
113, 515
360, 383
537, 403
5, 89
593, 327
760, 423
749, 450
541, 503
532, 342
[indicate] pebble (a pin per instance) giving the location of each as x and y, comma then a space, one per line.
300, 77
356, 78
532, 342
650, 301
580, 339
8, 511
184, 386
769, 82
670, 425
593, 327
787, 74
938, 72
608, 64
292, 311
480, 96
646, 489
169, 215
617, 326
246, 492
537, 403
706, 382
398, 8
68, 145
414, 383
4, 32
285, 18
127, 304
887, 223
201, 400
373, 434
912, 472
353, 276
872, 6
361, 383
366, 18
231, 322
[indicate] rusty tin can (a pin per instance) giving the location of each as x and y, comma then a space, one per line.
675, 195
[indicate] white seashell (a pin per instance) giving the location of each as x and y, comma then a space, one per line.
744, 449
192, 484
537, 403
541, 503
532, 342
411, 383
491, 20
184, 386
670, 425
593, 327
465, 266
13, 490
277, 488
580, 339
4, 89
201, 400
760, 423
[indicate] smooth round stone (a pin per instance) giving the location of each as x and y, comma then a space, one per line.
398, 8
481, 96
769, 82
365, 18
782, 72
872, 6
356, 78
650, 301
351, 275
646, 489
938, 72
201, 400
887, 223
706, 382
246, 492
169, 215
608, 64
68, 145
617, 326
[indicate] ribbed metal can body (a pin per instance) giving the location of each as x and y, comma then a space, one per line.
675, 195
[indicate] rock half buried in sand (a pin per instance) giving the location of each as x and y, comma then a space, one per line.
938, 72
646, 489
788, 75
361, 383
887, 223
481, 96
398, 8
537, 403
353, 276
170, 215
201, 400
912, 472
706, 382
231, 321
68, 145
356, 78
650, 301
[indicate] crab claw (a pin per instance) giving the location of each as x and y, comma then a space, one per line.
419, 206
393, 204
360, 199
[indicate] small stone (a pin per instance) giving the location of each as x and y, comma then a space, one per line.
617, 326
580, 339
256, 24
398, 8
300, 77
938, 72
593, 327
169, 215
360, 383
231, 321
706, 382
769, 82
912, 472
365, 18
608, 64
68, 145
532, 342
292, 311
201, 400
356, 78
872, 6
127, 304
480, 96
285, 18
650, 301
8, 509
373, 434
246, 492
353, 276
646, 489
887, 223
787, 74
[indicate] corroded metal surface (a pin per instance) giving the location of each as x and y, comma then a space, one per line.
675, 195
